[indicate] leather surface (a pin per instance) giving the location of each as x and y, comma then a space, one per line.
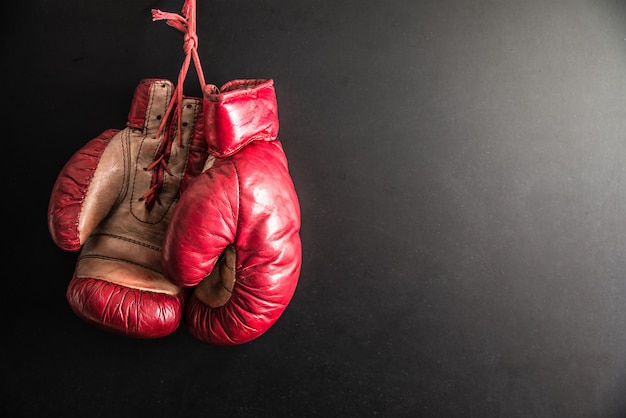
241, 111
247, 201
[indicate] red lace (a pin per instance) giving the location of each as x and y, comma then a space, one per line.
186, 24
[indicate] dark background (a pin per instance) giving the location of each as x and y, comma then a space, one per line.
461, 169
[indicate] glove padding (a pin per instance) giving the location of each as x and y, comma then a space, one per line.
114, 201
235, 234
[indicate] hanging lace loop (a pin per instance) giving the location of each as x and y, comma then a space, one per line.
185, 23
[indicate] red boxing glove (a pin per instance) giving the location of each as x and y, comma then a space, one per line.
235, 234
114, 199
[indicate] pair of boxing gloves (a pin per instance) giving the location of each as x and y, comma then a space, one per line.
195, 220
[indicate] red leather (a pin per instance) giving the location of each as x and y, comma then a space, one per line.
97, 206
69, 190
241, 111
124, 310
245, 199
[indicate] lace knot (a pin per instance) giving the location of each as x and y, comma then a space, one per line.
190, 42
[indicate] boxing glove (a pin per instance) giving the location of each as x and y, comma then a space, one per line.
234, 236
113, 200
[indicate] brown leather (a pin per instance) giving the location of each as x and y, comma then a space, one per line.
125, 246
216, 289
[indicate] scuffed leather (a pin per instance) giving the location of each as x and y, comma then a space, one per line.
96, 206
245, 199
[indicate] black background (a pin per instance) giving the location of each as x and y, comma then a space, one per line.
461, 170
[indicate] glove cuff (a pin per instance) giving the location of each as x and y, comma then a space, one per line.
240, 112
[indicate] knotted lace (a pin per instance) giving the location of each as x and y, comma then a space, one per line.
186, 24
